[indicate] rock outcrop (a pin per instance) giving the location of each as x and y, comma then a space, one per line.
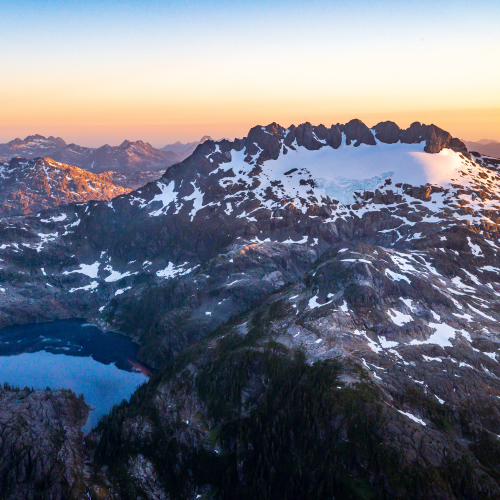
41, 445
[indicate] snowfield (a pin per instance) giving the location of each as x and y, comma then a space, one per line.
334, 176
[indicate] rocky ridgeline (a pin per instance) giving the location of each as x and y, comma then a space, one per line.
41, 444
339, 283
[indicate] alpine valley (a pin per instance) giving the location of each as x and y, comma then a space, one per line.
320, 307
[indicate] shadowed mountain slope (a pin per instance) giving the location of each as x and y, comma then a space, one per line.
321, 304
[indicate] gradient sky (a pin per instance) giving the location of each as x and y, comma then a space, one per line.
99, 72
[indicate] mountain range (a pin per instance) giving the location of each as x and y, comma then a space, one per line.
321, 308
185, 149
127, 158
485, 147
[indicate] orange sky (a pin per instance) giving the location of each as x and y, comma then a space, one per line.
98, 73
465, 124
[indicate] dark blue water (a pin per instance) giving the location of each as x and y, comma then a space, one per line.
72, 354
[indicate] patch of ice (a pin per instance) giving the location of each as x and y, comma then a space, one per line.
462, 365
313, 302
171, 271
492, 355
490, 268
468, 317
481, 313
356, 260
428, 358
440, 337
55, 218
115, 275
476, 249
408, 303
289, 241
166, 197
93, 285
387, 344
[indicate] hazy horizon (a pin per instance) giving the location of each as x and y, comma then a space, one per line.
160, 136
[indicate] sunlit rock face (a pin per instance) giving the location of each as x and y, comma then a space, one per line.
28, 186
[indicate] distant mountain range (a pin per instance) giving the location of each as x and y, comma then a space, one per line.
187, 148
128, 157
45, 172
486, 147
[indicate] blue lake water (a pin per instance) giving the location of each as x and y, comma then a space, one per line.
73, 355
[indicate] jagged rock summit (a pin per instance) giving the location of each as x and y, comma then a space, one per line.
32, 146
128, 157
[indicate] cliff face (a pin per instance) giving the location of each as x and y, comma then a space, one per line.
41, 451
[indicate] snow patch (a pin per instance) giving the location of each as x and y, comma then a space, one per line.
171, 271
90, 270
412, 417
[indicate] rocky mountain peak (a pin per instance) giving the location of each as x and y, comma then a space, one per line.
268, 140
32, 144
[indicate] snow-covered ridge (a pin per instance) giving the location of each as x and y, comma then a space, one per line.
277, 172
340, 173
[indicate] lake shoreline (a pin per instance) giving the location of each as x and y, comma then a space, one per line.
73, 354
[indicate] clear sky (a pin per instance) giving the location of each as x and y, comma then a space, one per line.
98, 72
